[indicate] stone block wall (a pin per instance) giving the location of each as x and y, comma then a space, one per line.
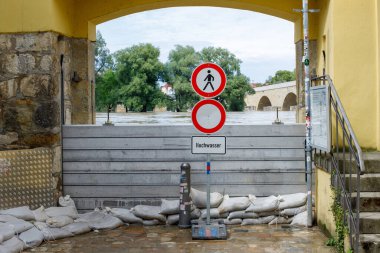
33, 69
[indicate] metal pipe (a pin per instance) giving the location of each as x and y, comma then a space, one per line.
308, 148
184, 197
208, 188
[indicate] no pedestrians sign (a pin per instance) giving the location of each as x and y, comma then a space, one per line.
208, 80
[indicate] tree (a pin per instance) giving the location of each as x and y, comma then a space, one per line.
181, 63
281, 76
106, 92
138, 70
103, 57
237, 84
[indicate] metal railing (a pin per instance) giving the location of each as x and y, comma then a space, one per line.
345, 161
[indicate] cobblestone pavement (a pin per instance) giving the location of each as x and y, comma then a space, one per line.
168, 239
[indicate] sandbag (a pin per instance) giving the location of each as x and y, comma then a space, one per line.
77, 228
22, 212
169, 207
293, 211
32, 238
125, 215
269, 213
13, 245
151, 222
281, 220
292, 200
232, 221
148, 212
172, 219
66, 201
40, 225
214, 214
196, 214
261, 220
51, 234
233, 204
98, 220
40, 215
199, 198
6, 218
264, 204
62, 211
300, 219
242, 215
59, 221
6, 232
18, 225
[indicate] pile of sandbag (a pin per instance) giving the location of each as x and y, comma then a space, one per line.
22, 228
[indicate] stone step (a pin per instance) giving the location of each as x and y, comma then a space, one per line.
370, 222
369, 201
368, 182
369, 243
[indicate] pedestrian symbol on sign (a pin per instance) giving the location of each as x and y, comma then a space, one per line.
210, 78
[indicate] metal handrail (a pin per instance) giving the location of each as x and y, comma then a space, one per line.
343, 179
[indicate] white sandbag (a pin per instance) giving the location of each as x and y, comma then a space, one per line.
6, 232
293, 211
172, 219
40, 225
51, 234
59, 221
242, 215
264, 204
18, 225
232, 221
196, 214
125, 215
199, 198
214, 214
292, 200
40, 215
90, 217
261, 220
107, 223
13, 245
6, 218
77, 228
151, 222
66, 201
281, 220
233, 204
149, 212
32, 238
169, 207
300, 219
62, 211
22, 212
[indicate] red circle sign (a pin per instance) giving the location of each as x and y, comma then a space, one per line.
208, 80
208, 116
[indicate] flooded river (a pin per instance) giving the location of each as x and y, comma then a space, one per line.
184, 118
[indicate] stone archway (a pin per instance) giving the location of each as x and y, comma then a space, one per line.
289, 101
264, 102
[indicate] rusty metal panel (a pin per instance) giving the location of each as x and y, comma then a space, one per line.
26, 178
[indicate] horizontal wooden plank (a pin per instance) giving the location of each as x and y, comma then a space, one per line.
230, 165
173, 191
180, 155
174, 178
178, 143
84, 131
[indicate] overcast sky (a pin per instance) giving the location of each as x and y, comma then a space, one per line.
264, 43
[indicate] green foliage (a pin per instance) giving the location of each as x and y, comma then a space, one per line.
341, 229
103, 57
281, 76
181, 63
106, 92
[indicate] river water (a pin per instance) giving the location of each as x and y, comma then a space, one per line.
184, 118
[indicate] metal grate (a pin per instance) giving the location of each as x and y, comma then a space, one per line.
26, 178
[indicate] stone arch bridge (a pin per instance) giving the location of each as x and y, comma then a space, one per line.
282, 96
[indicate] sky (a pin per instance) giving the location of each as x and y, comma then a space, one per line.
264, 43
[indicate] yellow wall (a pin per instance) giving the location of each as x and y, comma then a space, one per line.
324, 200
